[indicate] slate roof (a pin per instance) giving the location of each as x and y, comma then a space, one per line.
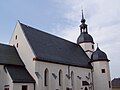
116, 83
19, 74
53, 49
99, 55
9, 55
85, 37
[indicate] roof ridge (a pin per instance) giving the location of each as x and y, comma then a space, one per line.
47, 33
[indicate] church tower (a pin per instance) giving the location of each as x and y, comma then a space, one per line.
101, 72
85, 40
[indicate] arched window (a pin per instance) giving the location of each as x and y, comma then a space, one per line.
92, 46
60, 78
86, 88
46, 77
16, 37
72, 78
17, 45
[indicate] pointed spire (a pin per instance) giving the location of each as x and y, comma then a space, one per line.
82, 14
83, 26
83, 19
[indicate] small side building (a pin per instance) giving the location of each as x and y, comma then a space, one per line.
13, 73
116, 84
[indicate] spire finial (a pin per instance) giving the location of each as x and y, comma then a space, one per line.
97, 45
82, 14
83, 26
83, 19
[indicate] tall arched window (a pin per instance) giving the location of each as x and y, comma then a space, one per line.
60, 78
46, 77
86, 88
72, 78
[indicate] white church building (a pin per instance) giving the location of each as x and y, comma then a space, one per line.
36, 60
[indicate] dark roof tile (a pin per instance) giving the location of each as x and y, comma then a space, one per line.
9, 55
19, 74
99, 55
85, 37
54, 49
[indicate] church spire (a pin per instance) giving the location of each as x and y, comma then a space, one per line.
83, 19
83, 26
85, 40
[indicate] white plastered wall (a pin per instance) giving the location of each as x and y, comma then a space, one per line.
101, 80
88, 48
54, 83
18, 86
85, 75
5, 79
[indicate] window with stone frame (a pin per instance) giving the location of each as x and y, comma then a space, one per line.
16, 37
103, 70
6, 88
60, 78
46, 77
24, 87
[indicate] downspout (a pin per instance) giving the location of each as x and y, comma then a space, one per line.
92, 79
34, 86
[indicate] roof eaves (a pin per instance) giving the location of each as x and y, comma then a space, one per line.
83, 66
22, 81
99, 60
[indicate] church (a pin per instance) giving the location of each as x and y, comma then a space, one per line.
36, 60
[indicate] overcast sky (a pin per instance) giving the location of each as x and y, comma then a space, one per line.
62, 18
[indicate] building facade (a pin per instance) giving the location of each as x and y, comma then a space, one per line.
36, 60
